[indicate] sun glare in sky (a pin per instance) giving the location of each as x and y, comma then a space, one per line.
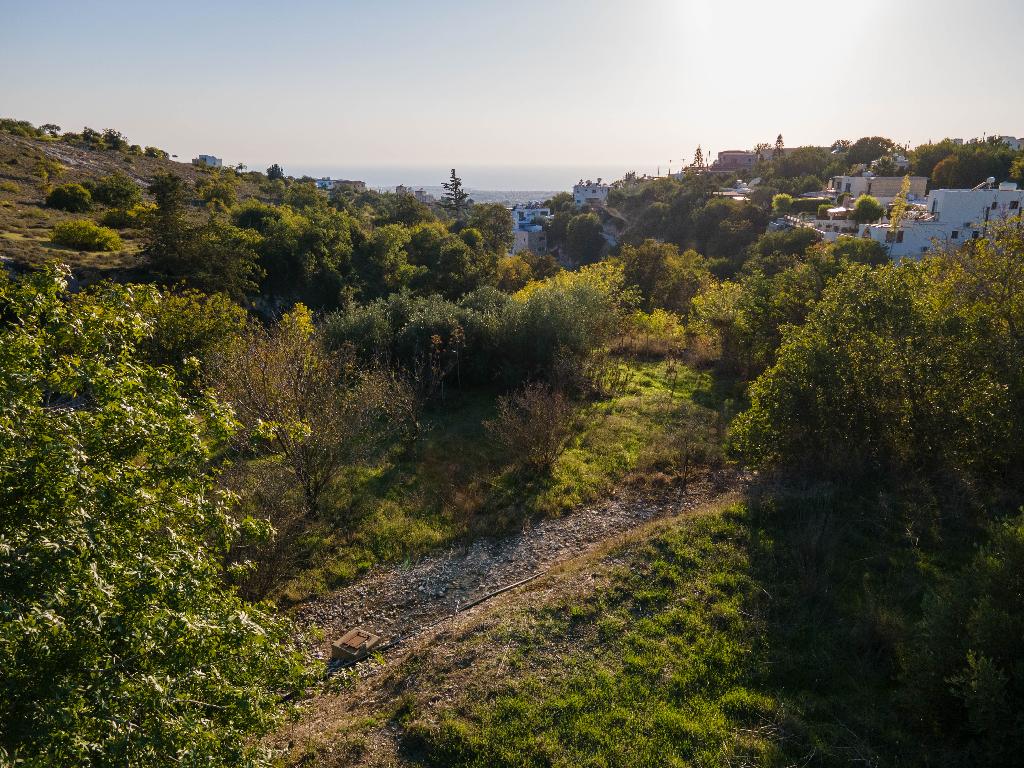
603, 83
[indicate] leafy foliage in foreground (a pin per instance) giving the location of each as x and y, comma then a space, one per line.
913, 367
119, 642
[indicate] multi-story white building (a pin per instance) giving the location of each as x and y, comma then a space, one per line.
586, 193
208, 161
528, 227
883, 188
1013, 143
949, 217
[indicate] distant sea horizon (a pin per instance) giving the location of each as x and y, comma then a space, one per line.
485, 183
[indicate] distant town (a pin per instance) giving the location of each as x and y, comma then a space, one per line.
927, 214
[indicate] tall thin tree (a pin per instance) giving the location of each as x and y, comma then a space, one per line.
455, 199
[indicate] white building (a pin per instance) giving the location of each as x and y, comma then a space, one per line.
528, 227
420, 194
883, 188
1013, 143
208, 161
328, 184
949, 217
586, 193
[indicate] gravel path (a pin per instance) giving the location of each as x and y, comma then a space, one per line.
397, 601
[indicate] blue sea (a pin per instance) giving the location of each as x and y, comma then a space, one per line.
486, 184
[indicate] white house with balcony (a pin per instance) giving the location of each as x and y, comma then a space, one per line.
949, 217
528, 227
587, 193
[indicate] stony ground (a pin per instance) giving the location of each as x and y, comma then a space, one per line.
398, 602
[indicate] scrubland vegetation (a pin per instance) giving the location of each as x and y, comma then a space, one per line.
287, 388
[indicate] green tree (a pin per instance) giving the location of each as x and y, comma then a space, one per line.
455, 198
117, 190
782, 204
869, 148
213, 255
219, 190
779, 150
665, 277
275, 172
584, 238
114, 140
495, 224
121, 643
866, 210
309, 403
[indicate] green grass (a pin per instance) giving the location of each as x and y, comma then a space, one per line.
768, 634
668, 675
456, 483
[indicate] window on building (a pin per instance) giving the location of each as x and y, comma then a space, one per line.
975, 234
994, 205
954, 235
899, 236
1014, 205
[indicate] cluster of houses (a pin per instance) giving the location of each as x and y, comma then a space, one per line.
528, 218
941, 216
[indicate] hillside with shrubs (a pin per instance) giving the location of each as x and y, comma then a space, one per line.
224, 394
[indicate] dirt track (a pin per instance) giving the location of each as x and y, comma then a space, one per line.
400, 601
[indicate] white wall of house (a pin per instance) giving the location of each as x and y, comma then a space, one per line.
532, 238
589, 193
884, 188
955, 215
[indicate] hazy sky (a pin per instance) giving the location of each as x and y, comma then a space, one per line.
581, 83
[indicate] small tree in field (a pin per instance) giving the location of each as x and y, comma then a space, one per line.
311, 405
533, 425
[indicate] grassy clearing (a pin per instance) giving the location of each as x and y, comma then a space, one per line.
455, 482
664, 669
767, 634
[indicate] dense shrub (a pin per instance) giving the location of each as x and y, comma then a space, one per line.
808, 204
124, 218
912, 368
116, 190
86, 235
73, 198
490, 335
